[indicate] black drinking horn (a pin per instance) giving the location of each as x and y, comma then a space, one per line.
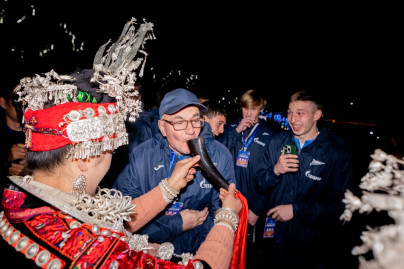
197, 147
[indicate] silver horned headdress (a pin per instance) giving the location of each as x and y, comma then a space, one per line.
114, 71
53, 104
383, 189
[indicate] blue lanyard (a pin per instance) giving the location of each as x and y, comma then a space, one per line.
251, 137
171, 162
181, 157
280, 235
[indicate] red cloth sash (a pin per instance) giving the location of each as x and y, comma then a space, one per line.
240, 238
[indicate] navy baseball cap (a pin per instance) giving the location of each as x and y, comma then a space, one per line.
176, 100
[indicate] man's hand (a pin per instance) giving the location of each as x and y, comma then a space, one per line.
286, 163
17, 151
18, 169
193, 218
252, 218
281, 212
244, 124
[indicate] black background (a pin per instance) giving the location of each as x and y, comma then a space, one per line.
345, 52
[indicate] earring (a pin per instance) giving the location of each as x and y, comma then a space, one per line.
79, 185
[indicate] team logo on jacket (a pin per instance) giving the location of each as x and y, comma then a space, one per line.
158, 167
315, 162
257, 140
205, 185
311, 176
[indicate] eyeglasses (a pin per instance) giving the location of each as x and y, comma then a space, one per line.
183, 124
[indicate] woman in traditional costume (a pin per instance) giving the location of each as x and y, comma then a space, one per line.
58, 217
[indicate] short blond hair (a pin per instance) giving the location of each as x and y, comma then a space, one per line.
252, 98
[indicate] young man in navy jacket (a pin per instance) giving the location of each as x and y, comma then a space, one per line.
304, 189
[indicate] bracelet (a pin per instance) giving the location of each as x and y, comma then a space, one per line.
169, 193
232, 228
165, 251
227, 214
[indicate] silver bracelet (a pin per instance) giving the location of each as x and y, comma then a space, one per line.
169, 193
232, 229
165, 251
227, 214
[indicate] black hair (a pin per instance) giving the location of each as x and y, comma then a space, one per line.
83, 83
47, 160
214, 108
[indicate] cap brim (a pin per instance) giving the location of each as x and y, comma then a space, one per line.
177, 108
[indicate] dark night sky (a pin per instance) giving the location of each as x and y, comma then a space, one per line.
344, 52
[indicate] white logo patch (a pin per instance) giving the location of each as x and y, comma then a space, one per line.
256, 140
311, 176
265, 133
315, 162
158, 167
204, 185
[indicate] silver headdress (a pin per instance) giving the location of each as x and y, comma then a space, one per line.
115, 75
115, 70
383, 189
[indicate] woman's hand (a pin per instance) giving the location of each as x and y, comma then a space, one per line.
228, 199
183, 172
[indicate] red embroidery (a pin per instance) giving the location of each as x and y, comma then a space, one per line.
80, 245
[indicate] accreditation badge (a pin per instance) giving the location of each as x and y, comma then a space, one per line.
269, 230
174, 209
242, 159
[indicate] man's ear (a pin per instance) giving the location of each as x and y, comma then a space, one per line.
3, 102
162, 128
317, 114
